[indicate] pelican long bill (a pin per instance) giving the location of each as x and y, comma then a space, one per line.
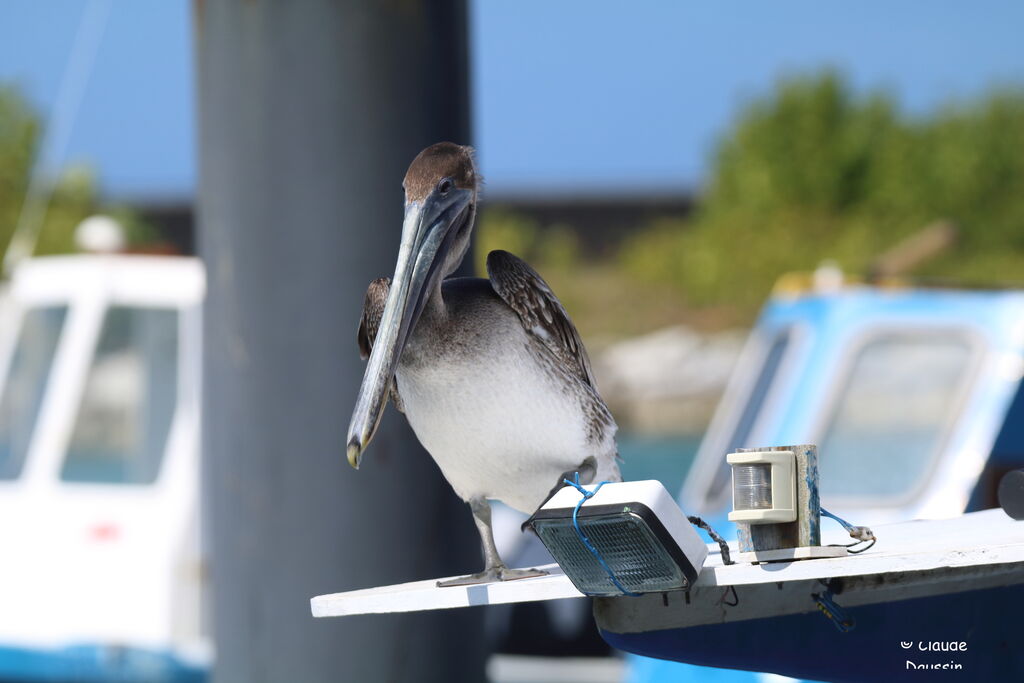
428, 230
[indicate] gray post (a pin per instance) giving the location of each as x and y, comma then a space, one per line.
309, 113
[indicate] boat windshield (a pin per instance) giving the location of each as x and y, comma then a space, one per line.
128, 404
21, 396
890, 416
720, 489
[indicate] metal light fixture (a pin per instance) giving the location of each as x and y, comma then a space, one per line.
621, 538
763, 487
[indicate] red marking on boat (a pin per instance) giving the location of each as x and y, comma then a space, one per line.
107, 531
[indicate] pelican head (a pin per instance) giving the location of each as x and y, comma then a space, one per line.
440, 207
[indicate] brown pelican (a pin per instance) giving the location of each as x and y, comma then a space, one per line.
491, 374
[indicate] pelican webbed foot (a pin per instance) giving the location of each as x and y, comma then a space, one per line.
492, 575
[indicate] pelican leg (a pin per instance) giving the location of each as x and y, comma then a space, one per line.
494, 568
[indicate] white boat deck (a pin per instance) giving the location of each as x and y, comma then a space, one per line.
917, 557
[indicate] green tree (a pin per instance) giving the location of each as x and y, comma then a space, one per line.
814, 172
74, 196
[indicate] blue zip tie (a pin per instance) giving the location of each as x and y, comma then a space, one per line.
860, 533
836, 614
846, 525
587, 495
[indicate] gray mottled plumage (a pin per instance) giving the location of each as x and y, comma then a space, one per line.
369, 322
544, 318
542, 313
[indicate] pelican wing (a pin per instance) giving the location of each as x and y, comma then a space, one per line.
369, 323
540, 311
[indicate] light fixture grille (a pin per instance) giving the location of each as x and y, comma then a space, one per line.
752, 487
627, 545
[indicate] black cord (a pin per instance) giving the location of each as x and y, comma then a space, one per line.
697, 521
735, 597
867, 547
848, 546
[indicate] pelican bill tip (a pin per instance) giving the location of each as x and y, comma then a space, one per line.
355, 451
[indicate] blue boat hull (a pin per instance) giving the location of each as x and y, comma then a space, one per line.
808, 646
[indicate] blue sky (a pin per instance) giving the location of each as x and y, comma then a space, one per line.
574, 96
135, 122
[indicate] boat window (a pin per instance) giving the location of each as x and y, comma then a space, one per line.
740, 437
21, 395
130, 394
891, 413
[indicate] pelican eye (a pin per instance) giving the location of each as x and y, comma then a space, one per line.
445, 186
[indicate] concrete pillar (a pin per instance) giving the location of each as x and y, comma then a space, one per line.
309, 114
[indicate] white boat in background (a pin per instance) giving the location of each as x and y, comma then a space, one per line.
103, 573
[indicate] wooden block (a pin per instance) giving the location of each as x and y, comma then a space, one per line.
789, 554
806, 530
